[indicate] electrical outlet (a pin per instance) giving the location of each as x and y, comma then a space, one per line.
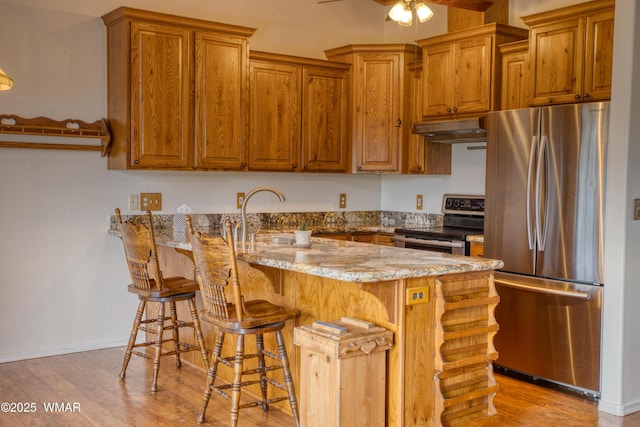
636, 209
150, 201
134, 202
239, 200
417, 295
419, 202
343, 200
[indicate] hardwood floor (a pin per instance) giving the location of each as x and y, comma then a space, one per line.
88, 391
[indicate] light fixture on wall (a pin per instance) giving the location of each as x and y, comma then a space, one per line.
6, 82
402, 12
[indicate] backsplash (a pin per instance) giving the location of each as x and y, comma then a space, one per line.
316, 221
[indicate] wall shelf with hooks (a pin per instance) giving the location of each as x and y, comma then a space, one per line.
42, 126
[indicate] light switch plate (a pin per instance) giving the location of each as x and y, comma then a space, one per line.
134, 203
150, 201
636, 209
239, 200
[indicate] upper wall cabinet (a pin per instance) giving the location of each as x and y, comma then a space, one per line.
515, 75
571, 53
298, 114
380, 114
156, 63
461, 71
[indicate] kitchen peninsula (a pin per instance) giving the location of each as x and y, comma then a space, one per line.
439, 307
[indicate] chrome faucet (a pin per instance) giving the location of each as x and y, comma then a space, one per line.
243, 210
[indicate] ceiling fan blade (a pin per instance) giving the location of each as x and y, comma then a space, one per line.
477, 5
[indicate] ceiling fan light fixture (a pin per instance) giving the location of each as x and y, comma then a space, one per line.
423, 11
397, 11
402, 12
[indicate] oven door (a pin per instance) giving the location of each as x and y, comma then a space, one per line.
457, 247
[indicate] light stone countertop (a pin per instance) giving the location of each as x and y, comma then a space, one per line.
345, 260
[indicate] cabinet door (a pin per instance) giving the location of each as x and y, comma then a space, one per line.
221, 108
472, 75
275, 102
160, 106
514, 85
438, 65
556, 57
378, 121
598, 56
424, 157
325, 144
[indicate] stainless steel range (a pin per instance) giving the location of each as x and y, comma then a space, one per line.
463, 216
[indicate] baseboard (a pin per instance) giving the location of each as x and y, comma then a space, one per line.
619, 410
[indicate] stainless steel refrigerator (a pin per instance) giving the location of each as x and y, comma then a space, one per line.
544, 217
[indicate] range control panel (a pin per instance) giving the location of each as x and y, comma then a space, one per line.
463, 204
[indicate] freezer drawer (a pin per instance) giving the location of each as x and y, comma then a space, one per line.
549, 329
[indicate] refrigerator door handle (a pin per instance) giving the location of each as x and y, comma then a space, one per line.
541, 227
532, 157
555, 292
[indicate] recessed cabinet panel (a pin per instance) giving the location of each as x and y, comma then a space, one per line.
558, 66
473, 76
438, 90
160, 96
598, 68
325, 127
378, 123
275, 116
221, 113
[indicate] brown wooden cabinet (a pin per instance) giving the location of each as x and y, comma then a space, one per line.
461, 70
571, 53
155, 64
476, 249
379, 104
298, 114
515, 75
423, 156
378, 238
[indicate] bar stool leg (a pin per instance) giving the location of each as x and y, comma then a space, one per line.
211, 377
132, 338
282, 350
156, 359
261, 369
199, 335
237, 381
175, 332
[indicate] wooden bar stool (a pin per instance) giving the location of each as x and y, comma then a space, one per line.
150, 286
216, 268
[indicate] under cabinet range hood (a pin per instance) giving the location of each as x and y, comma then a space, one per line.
453, 131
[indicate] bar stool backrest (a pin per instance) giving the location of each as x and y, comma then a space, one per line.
216, 267
141, 253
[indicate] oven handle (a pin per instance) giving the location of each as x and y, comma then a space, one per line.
425, 242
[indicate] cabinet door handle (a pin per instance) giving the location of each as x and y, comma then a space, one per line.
305, 167
455, 109
577, 96
448, 110
398, 123
586, 95
359, 167
244, 165
295, 165
136, 162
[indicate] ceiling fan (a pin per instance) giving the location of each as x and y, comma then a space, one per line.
476, 5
